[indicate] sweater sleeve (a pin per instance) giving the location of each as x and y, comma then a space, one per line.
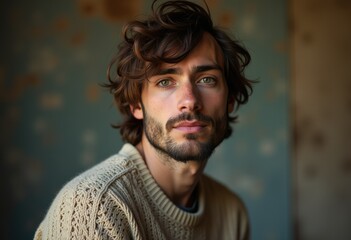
59, 219
245, 225
83, 212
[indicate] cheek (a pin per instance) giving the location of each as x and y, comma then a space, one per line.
215, 104
159, 103
158, 110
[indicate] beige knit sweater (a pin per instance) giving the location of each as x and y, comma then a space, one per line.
119, 199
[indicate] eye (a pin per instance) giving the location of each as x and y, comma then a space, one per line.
207, 81
164, 83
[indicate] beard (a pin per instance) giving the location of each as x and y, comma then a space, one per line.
192, 149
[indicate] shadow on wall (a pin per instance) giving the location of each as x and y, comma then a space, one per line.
321, 74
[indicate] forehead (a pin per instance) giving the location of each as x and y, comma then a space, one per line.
208, 49
206, 52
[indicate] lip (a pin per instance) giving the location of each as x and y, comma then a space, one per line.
189, 126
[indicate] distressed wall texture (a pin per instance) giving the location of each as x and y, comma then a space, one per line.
321, 60
55, 119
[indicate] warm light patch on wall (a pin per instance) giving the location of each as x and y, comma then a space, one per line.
78, 39
226, 19
110, 10
61, 24
51, 101
88, 8
44, 60
92, 92
281, 46
18, 86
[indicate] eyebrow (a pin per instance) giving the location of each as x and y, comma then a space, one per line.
196, 69
204, 68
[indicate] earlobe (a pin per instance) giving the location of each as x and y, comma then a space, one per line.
137, 111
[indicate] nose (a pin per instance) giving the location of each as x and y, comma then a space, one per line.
189, 98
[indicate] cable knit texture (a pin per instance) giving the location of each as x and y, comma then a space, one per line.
119, 199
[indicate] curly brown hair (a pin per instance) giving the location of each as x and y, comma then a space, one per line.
168, 36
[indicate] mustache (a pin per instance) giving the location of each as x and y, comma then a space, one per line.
188, 117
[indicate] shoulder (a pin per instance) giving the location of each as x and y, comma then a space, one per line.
222, 196
96, 180
78, 204
226, 207
211, 185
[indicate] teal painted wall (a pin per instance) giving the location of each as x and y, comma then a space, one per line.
55, 119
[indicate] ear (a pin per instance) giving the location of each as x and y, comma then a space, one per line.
231, 103
137, 111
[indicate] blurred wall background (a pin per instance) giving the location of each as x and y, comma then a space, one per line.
321, 74
55, 119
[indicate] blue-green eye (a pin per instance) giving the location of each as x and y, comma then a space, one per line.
207, 80
164, 83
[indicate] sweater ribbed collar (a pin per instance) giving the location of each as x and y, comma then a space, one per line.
156, 193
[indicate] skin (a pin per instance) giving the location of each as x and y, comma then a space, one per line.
196, 85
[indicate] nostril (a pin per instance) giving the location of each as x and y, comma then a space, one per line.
190, 102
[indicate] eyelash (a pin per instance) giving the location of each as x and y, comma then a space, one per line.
161, 84
213, 80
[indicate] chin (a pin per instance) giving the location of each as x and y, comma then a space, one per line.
190, 150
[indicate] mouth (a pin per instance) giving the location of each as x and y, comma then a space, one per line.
190, 126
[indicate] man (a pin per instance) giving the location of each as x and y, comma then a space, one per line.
177, 79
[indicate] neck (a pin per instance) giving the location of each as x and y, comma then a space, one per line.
178, 180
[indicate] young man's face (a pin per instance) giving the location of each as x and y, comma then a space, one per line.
185, 105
